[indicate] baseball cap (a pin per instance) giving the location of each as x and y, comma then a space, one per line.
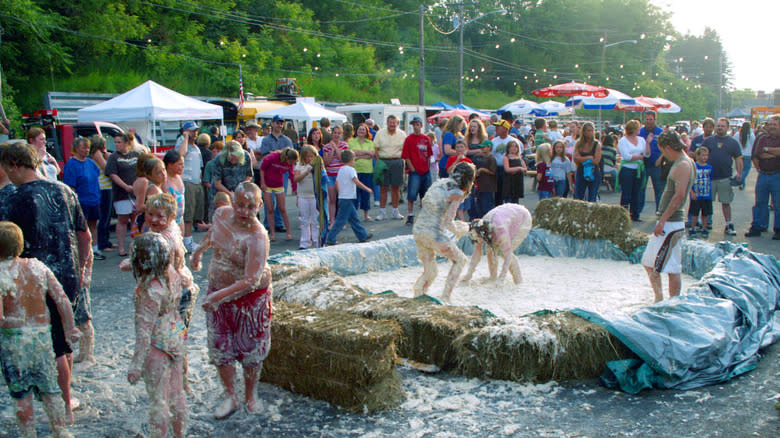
503, 123
416, 119
277, 118
486, 144
190, 126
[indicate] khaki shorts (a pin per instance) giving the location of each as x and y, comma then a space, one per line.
193, 201
274, 189
723, 189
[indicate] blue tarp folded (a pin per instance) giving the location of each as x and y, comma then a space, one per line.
709, 335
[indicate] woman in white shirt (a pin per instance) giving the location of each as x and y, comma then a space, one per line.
746, 138
633, 150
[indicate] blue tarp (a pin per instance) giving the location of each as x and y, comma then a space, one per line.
444, 105
710, 334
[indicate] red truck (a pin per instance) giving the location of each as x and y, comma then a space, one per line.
59, 137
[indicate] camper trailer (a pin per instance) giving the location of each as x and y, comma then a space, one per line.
358, 113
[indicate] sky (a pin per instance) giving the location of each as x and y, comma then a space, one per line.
746, 28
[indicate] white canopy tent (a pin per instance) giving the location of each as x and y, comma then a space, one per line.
308, 112
148, 104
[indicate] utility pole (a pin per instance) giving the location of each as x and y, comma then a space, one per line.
422, 58
460, 53
720, 81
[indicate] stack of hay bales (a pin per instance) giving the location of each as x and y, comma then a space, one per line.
428, 329
588, 220
334, 356
539, 348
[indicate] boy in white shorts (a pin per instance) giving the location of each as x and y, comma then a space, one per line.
663, 253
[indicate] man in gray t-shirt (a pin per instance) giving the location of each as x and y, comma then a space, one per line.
725, 151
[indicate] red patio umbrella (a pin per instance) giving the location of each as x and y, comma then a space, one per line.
456, 112
571, 89
644, 103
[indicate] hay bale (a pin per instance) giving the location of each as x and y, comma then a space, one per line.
428, 329
334, 356
538, 348
280, 271
631, 241
584, 220
317, 287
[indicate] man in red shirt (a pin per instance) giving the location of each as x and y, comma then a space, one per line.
417, 153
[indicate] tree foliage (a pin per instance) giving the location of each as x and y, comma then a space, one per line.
349, 50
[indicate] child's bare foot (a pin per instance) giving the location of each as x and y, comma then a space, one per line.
84, 364
253, 405
226, 409
288, 237
272, 237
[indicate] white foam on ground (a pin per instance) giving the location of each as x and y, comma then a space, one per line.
552, 283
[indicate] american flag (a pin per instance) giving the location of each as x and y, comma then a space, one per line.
240, 88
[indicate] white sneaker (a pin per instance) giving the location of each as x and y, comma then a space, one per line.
376, 203
381, 216
397, 215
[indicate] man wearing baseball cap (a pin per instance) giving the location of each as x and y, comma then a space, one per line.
193, 189
417, 152
500, 141
253, 143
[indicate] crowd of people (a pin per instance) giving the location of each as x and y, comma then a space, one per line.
216, 186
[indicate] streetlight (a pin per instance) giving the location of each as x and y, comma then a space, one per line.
461, 24
604, 53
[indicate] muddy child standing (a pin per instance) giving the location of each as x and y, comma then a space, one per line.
26, 353
159, 334
55, 232
238, 302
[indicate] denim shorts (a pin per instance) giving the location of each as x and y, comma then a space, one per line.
417, 185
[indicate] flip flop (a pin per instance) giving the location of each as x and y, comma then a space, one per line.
123, 254
288, 238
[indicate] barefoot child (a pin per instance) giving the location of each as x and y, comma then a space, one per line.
159, 334
26, 353
238, 302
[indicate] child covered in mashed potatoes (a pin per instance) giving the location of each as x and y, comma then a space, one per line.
26, 353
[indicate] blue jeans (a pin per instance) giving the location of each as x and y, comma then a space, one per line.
485, 202
363, 200
346, 212
766, 185
561, 187
104, 223
748, 164
544, 194
592, 187
630, 187
654, 176
417, 185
